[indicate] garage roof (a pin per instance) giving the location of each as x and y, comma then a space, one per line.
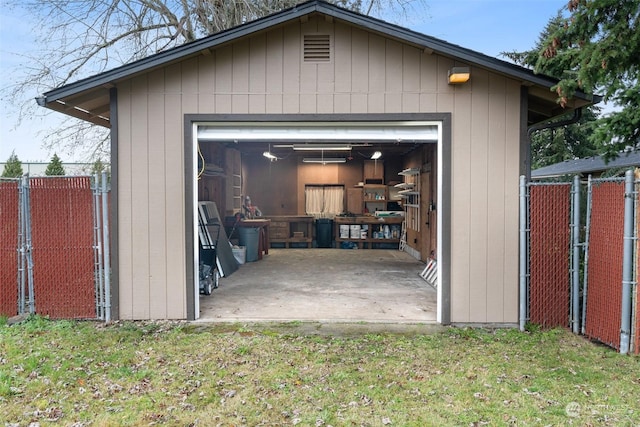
589, 165
88, 99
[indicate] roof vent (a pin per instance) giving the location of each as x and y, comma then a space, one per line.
317, 48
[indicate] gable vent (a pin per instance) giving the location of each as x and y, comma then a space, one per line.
317, 48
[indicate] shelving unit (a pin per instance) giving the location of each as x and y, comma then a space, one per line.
365, 230
374, 198
410, 192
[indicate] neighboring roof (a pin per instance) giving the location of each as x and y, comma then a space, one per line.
587, 166
88, 99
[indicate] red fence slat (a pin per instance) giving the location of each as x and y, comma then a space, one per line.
8, 248
604, 287
549, 255
62, 236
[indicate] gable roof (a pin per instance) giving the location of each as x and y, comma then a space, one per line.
88, 99
595, 164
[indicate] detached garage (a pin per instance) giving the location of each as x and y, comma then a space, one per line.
319, 115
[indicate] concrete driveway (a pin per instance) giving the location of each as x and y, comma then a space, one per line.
325, 285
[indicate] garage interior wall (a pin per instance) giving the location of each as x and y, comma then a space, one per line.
265, 74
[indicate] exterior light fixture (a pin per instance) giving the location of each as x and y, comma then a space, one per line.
324, 160
459, 75
269, 156
323, 147
376, 155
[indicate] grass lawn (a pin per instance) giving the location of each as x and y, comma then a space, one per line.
67, 373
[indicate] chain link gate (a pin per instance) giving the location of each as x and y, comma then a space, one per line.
556, 251
54, 255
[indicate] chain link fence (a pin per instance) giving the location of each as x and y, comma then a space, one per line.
566, 240
549, 235
602, 294
52, 247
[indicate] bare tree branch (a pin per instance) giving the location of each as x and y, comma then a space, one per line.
79, 38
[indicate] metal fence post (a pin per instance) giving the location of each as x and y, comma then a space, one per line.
106, 251
585, 280
627, 262
22, 278
26, 263
97, 254
575, 259
523, 253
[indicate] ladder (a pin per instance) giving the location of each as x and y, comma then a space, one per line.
403, 236
430, 273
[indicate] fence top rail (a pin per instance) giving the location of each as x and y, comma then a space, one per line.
610, 179
546, 184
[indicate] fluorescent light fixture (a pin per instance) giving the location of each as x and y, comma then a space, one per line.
324, 160
458, 75
376, 155
322, 147
269, 156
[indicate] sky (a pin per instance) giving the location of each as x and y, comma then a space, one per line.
486, 26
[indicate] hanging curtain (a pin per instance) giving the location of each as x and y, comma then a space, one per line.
324, 201
333, 201
314, 201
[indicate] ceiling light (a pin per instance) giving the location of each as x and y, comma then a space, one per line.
458, 75
322, 147
269, 156
324, 160
376, 155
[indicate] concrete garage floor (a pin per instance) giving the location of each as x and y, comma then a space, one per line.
324, 285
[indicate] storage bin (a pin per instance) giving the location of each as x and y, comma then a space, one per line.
249, 238
355, 232
344, 231
324, 232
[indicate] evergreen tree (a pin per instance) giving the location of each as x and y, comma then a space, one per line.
549, 146
98, 167
597, 47
55, 168
13, 167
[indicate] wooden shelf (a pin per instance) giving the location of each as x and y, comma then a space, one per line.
283, 227
405, 185
410, 172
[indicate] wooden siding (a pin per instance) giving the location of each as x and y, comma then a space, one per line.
367, 74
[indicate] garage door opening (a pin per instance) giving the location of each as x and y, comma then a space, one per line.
348, 197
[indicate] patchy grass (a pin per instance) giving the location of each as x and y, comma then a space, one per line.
163, 373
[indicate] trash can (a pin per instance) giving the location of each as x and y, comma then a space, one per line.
249, 238
324, 232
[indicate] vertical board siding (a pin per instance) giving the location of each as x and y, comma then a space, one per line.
461, 211
157, 204
496, 156
125, 225
367, 73
141, 308
511, 197
478, 197
342, 59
